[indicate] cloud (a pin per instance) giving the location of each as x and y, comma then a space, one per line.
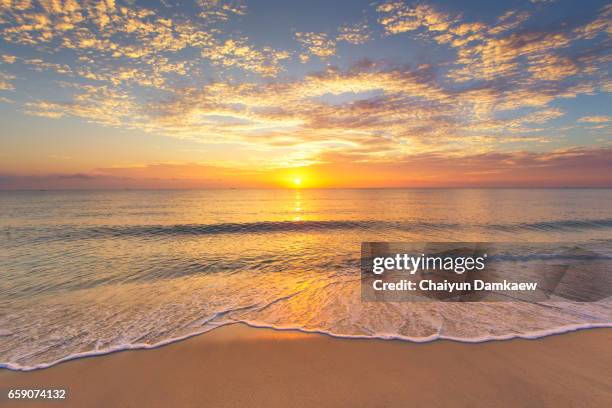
354, 34
154, 175
8, 59
133, 44
489, 86
317, 44
221, 11
561, 168
499, 51
595, 119
500, 57
550, 67
373, 108
100, 104
602, 24
508, 21
398, 17
238, 53
6, 83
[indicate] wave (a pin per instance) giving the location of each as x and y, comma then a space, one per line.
559, 225
258, 325
46, 234
236, 228
114, 231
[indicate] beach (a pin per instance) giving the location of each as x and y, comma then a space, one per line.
237, 365
101, 275
238, 203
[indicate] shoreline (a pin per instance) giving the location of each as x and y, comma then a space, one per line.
535, 335
239, 365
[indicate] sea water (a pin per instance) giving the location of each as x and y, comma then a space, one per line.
89, 272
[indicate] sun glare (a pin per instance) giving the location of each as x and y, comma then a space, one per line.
296, 179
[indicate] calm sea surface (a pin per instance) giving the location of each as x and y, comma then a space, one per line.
89, 272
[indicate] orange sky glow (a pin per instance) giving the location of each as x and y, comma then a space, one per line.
212, 94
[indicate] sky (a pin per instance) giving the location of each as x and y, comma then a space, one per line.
233, 94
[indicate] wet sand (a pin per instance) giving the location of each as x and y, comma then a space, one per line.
239, 366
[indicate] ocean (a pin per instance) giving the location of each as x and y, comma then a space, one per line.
89, 272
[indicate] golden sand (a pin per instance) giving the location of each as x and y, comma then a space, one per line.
239, 366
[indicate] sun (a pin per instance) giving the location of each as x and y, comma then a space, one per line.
296, 179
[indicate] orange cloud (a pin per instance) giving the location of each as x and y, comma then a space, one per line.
354, 34
564, 168
595, 119
317, 44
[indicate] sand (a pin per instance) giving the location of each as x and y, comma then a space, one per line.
239, 366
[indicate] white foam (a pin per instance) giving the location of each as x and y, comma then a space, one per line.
260, 325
